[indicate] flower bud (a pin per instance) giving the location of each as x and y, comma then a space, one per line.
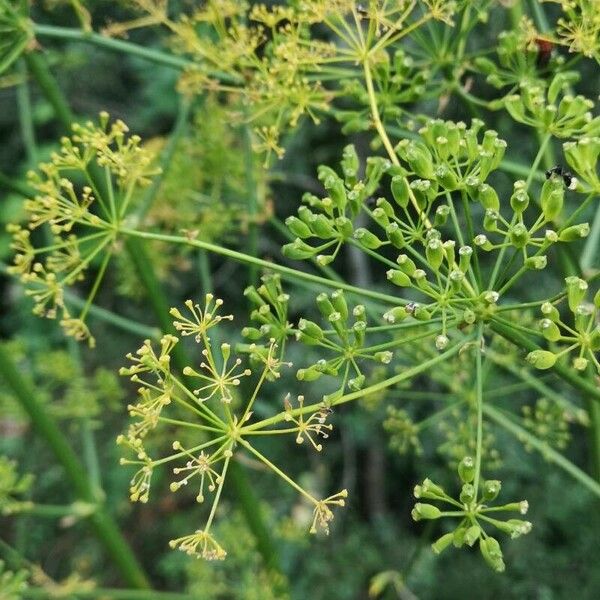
580, 363
384, 358
490, 220
324, 304
541, 359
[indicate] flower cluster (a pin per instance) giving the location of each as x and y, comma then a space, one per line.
214, 417
581, 341
474, 513
78, 223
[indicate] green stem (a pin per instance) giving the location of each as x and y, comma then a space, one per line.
586, 387
39, 70
123, 47
286, 272
479, 406
102, 523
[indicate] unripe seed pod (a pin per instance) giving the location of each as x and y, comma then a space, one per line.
434, 253
550, 311
465, 253
399, 278
491, 552
552, 198
394, 235
519, 201
469, 316
337, 192
425, 511
490, 220
441, 215
396, 315
421, 314
298, 250
481, 241
448, 247
574, 232
344, 226
309, 374
456, 279
367, 239
550, 330
298, 227
519, 236
491, 489
541, 359
358, 329
357, 382
400, 191
406, 264
322, 227
442, 543
576, 291
536, 262
350, 164
420, 160
380, 217
466, 469
472, 534
339, 303
467, 494
446, 178
384, 357
386, 206
325, 306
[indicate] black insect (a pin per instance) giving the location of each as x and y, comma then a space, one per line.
558, 170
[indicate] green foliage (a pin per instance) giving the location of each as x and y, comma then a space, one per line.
441, 269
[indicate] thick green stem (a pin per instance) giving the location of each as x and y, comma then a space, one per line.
39, 70
102, 523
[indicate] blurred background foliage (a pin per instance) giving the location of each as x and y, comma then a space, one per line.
374, 451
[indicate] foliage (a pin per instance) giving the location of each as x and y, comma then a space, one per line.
441, 268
